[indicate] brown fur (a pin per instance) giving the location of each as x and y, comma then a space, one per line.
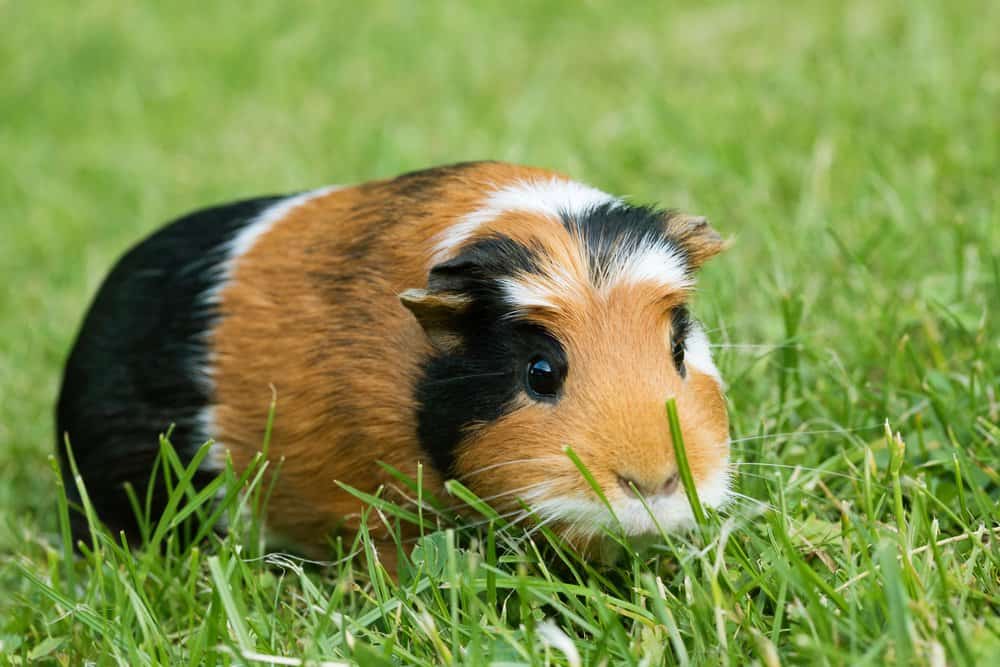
312, 310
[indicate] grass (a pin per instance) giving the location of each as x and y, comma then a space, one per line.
851, 149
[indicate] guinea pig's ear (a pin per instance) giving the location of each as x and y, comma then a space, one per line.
437, 313
450, 288
696, 236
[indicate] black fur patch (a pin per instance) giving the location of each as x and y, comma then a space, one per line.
476, 270
477, 383
135, 367
611, 229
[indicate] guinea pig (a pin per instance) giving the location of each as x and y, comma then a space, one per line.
475, 318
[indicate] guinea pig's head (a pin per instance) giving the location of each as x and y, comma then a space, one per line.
571, 327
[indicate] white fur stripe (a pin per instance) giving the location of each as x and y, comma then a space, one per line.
237, 247
661, 264
247, 237
522, 294
698, 354
552, 197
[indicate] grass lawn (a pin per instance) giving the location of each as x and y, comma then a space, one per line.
850, 149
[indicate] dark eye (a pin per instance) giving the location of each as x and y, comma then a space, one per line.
678, 354
543, 380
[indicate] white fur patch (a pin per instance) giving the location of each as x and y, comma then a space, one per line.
698, 353
239, 245
587, 518
552, 197
523, 294
660, 264
247, 237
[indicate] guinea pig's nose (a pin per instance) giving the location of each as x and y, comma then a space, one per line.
664, 488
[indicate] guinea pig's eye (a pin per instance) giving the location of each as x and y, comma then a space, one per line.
678, 353
543, 379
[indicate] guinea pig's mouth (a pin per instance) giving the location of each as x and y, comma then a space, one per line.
584, 518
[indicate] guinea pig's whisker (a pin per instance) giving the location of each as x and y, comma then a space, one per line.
788, 466
529, 487
743, 473
574, 529
458, 378
586, 531
482, 522
753, 347
446, 512
735, 473
540, 459
427, 506
793, 490
504, 494
753, 501
415, 502
513, 524
796, 434
519, 514
537, 527
570, 531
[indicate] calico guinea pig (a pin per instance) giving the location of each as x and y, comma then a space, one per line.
475, 318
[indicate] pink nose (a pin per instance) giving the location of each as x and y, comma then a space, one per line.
660, 488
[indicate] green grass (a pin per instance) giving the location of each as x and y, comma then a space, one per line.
850, 149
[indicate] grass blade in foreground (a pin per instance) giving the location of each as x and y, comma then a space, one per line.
683, 467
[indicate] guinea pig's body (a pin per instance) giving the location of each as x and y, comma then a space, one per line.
475, 318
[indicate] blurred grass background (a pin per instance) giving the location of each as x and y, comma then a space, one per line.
849, 148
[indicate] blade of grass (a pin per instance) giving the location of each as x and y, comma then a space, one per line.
683, 466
